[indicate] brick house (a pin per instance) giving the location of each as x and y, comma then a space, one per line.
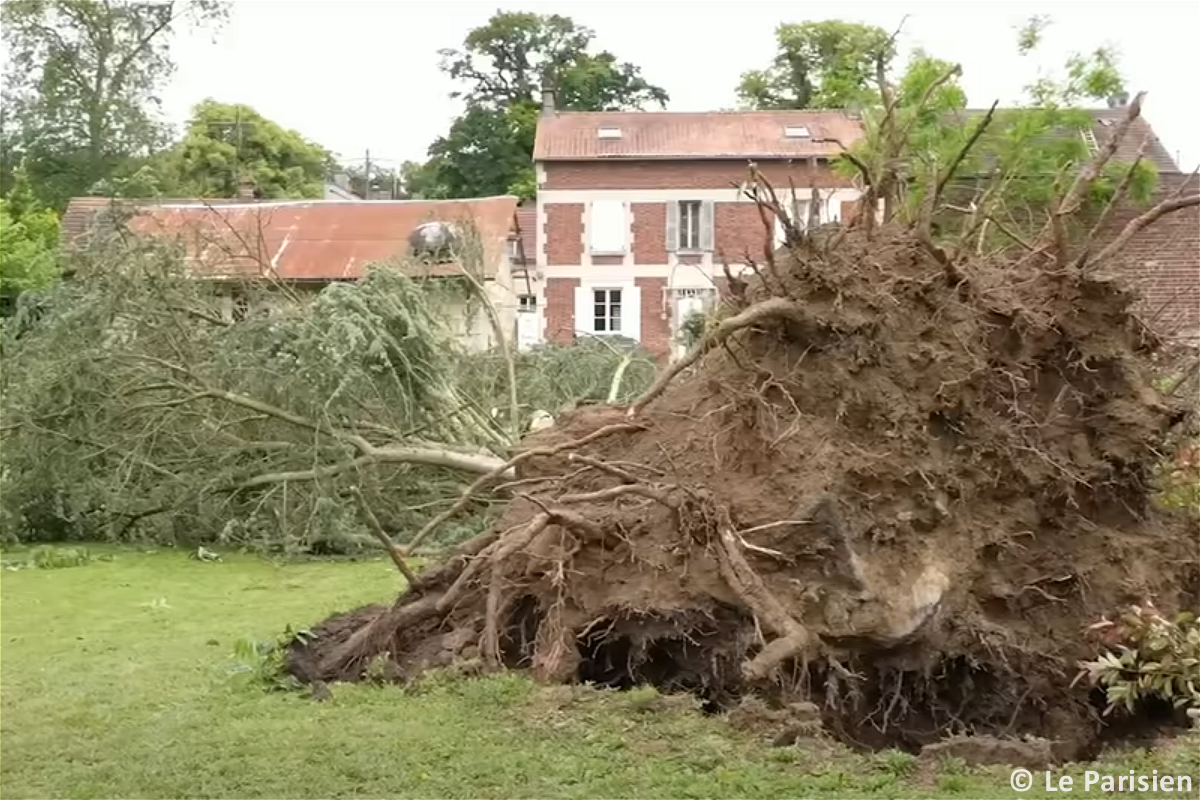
637, 211
309, 244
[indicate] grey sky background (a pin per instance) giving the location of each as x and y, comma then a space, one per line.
358, 74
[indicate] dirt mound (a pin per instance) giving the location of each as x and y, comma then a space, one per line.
901, 493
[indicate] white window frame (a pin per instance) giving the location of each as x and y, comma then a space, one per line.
527, 304
629, 298
691, 213
608, 228
607, 298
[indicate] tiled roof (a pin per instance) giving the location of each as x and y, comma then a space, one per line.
570, 136
312, 240
527, 222
1156, 154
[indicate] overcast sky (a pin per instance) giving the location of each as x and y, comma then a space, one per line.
358, 74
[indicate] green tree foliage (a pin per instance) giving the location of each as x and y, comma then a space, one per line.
28, 241
828, 64
1009, 174
486, 152
503, 66
225, 143
82, 83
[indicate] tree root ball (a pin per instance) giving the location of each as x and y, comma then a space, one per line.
894, 489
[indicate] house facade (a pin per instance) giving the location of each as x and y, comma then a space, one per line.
308, 244
637, 211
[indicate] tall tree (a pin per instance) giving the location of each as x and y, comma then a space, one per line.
503, 67
227, 143
516, 54
82, 83
828, 64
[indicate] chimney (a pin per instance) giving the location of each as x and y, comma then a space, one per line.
1119, 99
547, 102
245, 188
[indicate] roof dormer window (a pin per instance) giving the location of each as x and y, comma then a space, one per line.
796, 132
609, 133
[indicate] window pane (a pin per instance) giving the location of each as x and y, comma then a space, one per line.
614, 295
601, 323
599, 296
600, 310
615, 309
614, 325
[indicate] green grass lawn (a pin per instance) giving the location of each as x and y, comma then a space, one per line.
115, 681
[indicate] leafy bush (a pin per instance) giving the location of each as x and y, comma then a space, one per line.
260, 662
1148, 656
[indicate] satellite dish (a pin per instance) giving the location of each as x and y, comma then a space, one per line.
433, 238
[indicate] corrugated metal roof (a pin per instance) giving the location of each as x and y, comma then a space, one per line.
309, 240
575, 136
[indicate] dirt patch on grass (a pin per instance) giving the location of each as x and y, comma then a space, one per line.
901, 495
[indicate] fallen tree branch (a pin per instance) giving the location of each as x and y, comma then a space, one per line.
435, 455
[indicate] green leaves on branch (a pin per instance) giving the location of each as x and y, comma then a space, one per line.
1149, 657
28, 241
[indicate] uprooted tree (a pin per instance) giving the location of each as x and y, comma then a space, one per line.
899, 477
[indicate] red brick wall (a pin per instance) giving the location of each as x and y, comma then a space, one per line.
649, 233
681, 174
739, 231
564, 233
656, 331
560, 309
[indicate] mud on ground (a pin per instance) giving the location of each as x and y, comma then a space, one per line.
902, 498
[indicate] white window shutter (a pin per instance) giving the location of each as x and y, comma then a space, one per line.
585, 316
672, 226
608, 227
631, 313
780, 233
706, 225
